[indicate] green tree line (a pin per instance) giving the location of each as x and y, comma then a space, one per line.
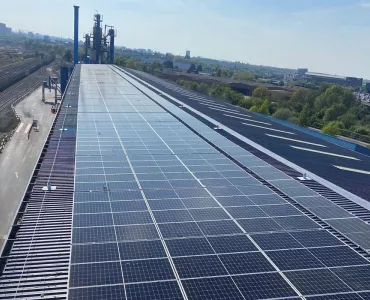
330, 108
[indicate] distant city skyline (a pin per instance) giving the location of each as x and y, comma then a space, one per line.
325, 36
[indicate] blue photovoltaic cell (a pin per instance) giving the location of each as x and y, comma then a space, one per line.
263, 286
93, 235
95, 274
166, 290
244, 263
209, 214
230, 244
91, 197
167, 216
357, 278
124, 206
294, 259
136, 232
259, 225
296, 222
89, 220
127, 218
172, 230
199, 266
189, 246
166, 204
267, 199
108, 292
94, 253
92, 207
141, 250
160, 194
246, 212
199, 203
280, 210
314, 282
219, 227
316, 238
235, 201
147, 270
214, 288
338, 256
349, 296
275, 241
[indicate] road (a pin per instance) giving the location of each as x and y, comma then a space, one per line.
20, 156
345, 168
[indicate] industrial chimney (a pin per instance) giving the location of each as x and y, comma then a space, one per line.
75, 45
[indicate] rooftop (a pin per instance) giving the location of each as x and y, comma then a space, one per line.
162, 206
325, 75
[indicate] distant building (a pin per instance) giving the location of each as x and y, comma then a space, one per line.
302, 71
182, 66
334, 79
367, 87
5, 30
187, 55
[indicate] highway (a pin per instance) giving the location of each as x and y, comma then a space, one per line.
345, 168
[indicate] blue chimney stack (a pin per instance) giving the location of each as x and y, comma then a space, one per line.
75, 46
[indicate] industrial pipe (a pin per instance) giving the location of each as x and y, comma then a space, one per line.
111, 46
75, 46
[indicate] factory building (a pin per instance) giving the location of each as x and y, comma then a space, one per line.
5, 30
334, 79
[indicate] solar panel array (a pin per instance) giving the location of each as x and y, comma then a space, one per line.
161, 214
345, 216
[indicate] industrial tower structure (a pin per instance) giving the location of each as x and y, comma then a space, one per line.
99, 46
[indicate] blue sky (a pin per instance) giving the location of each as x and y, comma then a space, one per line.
329, 36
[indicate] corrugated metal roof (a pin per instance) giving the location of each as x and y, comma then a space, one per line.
34, 263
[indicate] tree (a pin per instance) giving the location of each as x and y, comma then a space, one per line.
348, 119
192, 68
283, 114
253, 109
305, 115
301, 97
246, 102
203, 88
362, 130
244, 75
294, 120
261, 92
335, 95
168, 64
199, 68
68, 55
332, 128
264, 109
273, 107
218, 73
334, 112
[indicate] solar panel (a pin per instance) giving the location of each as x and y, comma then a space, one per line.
315, 282
212, 288
160, 213
162, 290
295, 259
141, 250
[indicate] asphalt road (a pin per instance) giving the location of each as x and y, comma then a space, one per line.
20, 155
302, 149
